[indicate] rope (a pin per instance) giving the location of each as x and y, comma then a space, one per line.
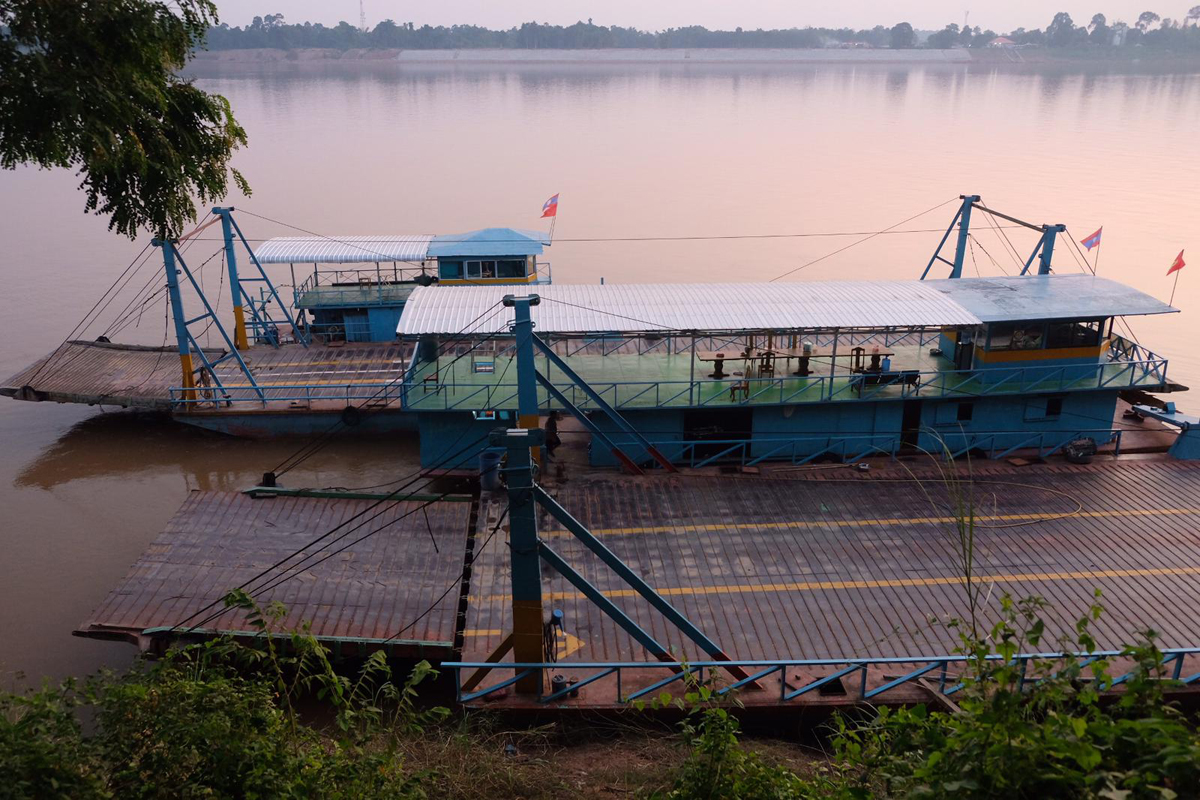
308, 450
376, 504
860, 241
461, 576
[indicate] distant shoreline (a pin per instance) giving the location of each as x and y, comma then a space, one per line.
1027, 58
605, 56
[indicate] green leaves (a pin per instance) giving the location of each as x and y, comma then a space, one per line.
1040, 734
95, 87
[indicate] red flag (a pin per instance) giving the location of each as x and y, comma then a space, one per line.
550, 209
1178, 264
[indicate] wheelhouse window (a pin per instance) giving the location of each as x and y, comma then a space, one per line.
1074, 334
510, 268
1016, 336
450, 270
481, 269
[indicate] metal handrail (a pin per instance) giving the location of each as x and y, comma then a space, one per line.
844, 387
805, 449
834, 669
760, 391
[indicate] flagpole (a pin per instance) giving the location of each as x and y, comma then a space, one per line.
1096, 264
1171, 302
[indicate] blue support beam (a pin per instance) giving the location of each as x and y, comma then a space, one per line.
216, 323
628, 463
179, 317
601, 403
528, 412
262, 321
1048, 238
528, 627
964, 230
235, 285
635, 581
603, 603
962, 218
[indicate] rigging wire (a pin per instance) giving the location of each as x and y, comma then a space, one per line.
99, 308
1005, 240
84, 321
1086, 268
391, 497
308, 450
860, 241
996, 263
602, 239
470, 562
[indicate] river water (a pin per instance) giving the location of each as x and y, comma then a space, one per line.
636, 152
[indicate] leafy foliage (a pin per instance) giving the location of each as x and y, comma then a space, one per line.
719, 767
217, 720
94, 87
1036, 730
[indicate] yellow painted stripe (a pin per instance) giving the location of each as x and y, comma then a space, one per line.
885, 521
809, 586
1004, 356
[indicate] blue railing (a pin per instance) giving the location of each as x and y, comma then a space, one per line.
381, 393
845, 386
871, 684
801, 450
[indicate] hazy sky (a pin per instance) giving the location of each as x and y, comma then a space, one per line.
657, 14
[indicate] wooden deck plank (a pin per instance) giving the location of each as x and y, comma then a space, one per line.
805, 567
218, 541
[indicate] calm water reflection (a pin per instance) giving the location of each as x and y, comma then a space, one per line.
635, 152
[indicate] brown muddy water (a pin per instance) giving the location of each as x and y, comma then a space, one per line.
637, 151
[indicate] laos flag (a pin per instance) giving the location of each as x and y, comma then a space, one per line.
1093, 240
550, 209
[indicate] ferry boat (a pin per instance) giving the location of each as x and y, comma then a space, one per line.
413, 333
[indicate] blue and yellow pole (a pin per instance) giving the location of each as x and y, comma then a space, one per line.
524, 452
240, 340
177, 314
527, 612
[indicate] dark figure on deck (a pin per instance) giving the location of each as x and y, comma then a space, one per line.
553, 440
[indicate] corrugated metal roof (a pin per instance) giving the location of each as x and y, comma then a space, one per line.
777, 306
490, 242
1048, 297
343, 249
684, 307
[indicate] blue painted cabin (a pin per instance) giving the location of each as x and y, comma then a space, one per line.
795, 372
359, 285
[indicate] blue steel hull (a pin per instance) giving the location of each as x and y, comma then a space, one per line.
266, 424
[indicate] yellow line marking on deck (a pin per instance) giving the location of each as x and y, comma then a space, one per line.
884, 521
571, 644
808, 586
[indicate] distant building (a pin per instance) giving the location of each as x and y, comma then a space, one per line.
1001, 41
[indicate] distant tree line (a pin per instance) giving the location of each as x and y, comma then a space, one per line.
1148, 30
272, 31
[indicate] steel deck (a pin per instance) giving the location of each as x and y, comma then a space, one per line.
833, 564
354, 600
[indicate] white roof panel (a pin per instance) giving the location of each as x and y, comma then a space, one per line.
343, 249
1027, 297
631, 308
